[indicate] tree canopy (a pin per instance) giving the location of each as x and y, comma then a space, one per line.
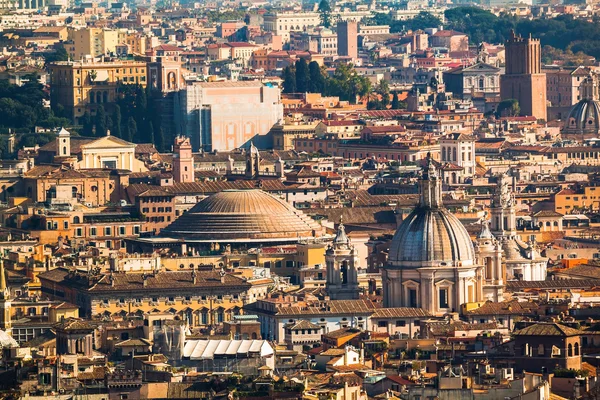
345, 83
325, 13
22, 107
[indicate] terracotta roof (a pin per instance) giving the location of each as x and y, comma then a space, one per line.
97, 373
145, 148
333, 352
400, 312
74, 324
173, 280
547, 329
547, 213
515, 286
581, 271
76, 143
303, 324
512, 307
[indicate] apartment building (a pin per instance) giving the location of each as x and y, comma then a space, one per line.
79, 86
282, 23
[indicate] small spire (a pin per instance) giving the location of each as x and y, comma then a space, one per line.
430, 187
485, 233
340, 236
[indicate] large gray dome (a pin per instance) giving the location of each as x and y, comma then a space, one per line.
583, 119
247, 215
431, 237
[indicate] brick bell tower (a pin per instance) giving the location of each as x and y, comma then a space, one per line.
523, 79
183, 160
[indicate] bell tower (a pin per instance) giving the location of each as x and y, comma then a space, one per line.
504, 215
63, 143
341, 259
183, 160
489, 255
524, 79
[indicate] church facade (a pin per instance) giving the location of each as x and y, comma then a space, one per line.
432, 262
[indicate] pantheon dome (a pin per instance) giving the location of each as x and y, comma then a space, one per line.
243, 215
583, 120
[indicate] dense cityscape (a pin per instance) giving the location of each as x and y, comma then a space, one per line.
319, 200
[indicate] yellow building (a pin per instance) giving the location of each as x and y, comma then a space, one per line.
568, 200
135, 42
92, 42
284, 134
200, 297
80, 86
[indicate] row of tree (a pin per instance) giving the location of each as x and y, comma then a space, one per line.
134, 118
563, 32
346, 83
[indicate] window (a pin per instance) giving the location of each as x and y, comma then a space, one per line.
121, 230
79, 232
107, 231
136, 230
443, 293
93, 231
400, 323
382, 324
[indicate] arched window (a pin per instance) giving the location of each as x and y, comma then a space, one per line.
454, 154
576, 349
570, 350
105, 97
76, 219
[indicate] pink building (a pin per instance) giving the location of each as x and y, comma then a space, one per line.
227, 115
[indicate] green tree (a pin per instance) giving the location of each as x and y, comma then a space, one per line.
59, 55
88, 125
289, 80
117, 121
395, 102
508, 108
160, 139
317, 79
422, 20
131, 130
383, 91
150, 138
100, 121
302, 76
325, 13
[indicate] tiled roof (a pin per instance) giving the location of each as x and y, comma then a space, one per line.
512, 307
331, 307
303, 324
515, 286
547, 213
400, 312
74, 324
547, 329
145, 148
175, 280
582, 271
76, 143
445, 328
